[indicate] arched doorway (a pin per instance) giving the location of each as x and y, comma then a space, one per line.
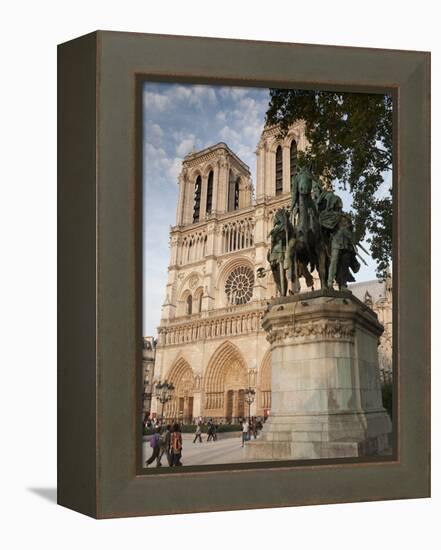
265, 385
225, 382
181, 406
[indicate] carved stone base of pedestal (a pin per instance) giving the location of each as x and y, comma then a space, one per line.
322, 436
326, 394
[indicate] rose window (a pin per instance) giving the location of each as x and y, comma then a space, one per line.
239, 285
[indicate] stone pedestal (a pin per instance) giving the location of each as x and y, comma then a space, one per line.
326, 395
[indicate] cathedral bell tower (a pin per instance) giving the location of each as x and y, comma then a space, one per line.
212, 183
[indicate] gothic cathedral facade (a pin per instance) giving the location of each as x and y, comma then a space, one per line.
211, 345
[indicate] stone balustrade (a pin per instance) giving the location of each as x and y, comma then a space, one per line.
207, 328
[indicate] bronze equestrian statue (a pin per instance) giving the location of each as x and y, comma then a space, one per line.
314, 234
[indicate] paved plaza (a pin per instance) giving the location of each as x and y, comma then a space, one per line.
227, 449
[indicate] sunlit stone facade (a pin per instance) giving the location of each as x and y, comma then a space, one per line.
148, 365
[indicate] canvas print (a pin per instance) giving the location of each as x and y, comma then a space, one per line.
267, 275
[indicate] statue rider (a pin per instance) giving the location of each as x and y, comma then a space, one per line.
277, 253
343, 253
302, 204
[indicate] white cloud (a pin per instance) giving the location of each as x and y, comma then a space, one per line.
185, 146
159, 169
155, 285
155, 102
195, 96
233, 93
155, 156
205, 93
181, 92
154, 133
248, 103
156, 130
230, 136
175, 168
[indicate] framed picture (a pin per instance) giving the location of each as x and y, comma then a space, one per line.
244, 292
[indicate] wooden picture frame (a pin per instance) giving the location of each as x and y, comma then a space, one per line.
100, 277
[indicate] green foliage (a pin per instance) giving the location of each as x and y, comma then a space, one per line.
350, 137
229, 428
387, 395
191, 428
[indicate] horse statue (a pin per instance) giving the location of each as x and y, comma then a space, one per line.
314, 234
287, 256
305, 218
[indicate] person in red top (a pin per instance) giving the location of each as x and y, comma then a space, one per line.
176, 445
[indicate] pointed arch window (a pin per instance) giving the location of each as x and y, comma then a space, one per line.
233, 192
292, 158
279, 171
197, 199
189, 251
197, 300
209, 202
189, 305
236, 193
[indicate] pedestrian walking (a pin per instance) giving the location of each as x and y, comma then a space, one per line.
176, 445
254, 428
245, 430
146, 422
210, 431
166, 443
155, 444
198, 433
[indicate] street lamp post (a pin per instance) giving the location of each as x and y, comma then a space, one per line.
249, 398
250, 394
164, 394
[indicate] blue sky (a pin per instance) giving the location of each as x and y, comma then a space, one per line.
178, 118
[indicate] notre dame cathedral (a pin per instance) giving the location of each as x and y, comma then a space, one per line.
210, 341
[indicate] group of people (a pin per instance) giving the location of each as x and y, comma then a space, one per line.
211, 432
150, 423
250, 429
166, 442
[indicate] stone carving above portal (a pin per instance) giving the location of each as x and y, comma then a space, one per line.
192, 283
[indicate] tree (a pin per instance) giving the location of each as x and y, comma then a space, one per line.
350, 146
